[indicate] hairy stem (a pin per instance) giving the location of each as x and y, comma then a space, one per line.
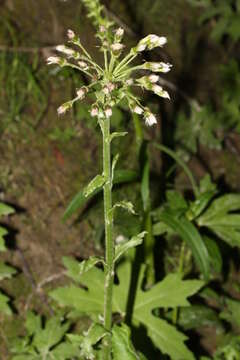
109, 244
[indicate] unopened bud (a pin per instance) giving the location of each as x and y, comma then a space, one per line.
150, 119
64, 107
94, 111
64, 49
108, 112
71, 35
153, 78
138, 110
117, 48
81, 93
53, 60
83, 65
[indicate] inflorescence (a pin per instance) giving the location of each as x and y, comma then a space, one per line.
113, 83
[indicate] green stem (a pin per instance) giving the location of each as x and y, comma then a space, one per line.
109, 244
181, 272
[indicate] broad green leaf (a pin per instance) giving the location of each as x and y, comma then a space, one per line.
96, 183
3, 232
33, 323
175, 200
188, 232
50, 335
6, 271
231, 312
160, 228
120, 177
122, 248
64, 351
4, 307
6, 209
117, 134
171, 292
122, 346
197, 207
76, 269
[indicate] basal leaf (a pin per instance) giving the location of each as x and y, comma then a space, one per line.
6, 271
188, 232
4, 307
171, 292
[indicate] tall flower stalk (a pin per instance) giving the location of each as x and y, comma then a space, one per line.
111, 84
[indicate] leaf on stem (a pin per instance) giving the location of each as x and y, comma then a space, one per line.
95, 184
75, 269
122, 248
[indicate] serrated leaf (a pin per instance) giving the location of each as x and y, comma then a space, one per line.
120, 177
171, 292
64, 351
122, 346
76, 269
231, 312
6, 271
33, 323
95, 183
6, 209
122, 248
198, 206
188, 232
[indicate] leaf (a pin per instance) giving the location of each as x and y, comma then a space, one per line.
6, 209
122, 248
95, 184
188, 232
76, 269
120, 176
3, 232
126, 205
214, 253
6, 271
198, 206
33, 323
114, 163
4, 307
171, 292
122, 346
231, 312
117, 134
64, 351
50, 335
219, 219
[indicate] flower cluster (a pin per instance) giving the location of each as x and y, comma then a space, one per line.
112, 83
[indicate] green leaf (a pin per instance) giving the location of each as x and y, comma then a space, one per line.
171, 292
231, 312
64, 351
33, 323
120, 177
219, 219
50, 335
6, 271
96, 183
114, 163
3, 232
126, 205
122, 248
4, 307
122, 346
76, 269
214, 253
198, 206
6, 209
188, 232
117, 134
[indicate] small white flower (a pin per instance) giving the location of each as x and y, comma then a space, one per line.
106, 90
129, 82
119, 32
150, 119
141, 47
83, 65
165, 67
53, 60
64, 49
81, 93
102, 29
157, 41
94, 111
165, 95
108, 112
120, 239
153, 78
71, 35
157, 89
138, 110
117, 47
62, 109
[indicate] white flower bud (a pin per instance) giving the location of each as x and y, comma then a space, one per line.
165, 67
106, 90
83, 65
81, 93
71, 35
64, 107
140, 47
160, 92
64, 49
117, 47
150, 119
153, 78
108, 112
119, 32
138, 110
157, 66
120, 239
94, 111
129, 82
53, 60
102, 29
